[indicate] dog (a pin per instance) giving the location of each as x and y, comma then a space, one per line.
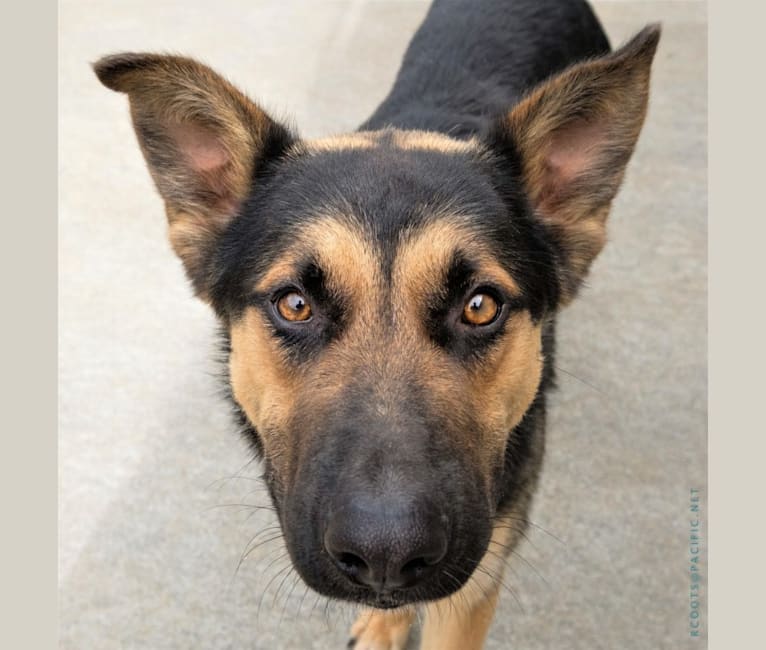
388, 297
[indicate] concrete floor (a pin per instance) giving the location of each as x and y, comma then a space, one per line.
147, 451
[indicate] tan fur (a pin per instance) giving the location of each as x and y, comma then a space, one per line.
433, 141
459, 625
423, 257
190, 233
459, 622
499, 389
263, 382
341, 250
264, 385
462, 621
503, 385
506, 382
377, 629
359, 140
405, 140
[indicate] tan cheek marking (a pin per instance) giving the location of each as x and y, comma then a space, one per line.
497, 392
265, 384
505, 384
262, 383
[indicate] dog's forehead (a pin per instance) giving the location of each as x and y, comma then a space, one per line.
375, 203
389, 179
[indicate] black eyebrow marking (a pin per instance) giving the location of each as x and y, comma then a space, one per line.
313, 280
459, 276
457, 280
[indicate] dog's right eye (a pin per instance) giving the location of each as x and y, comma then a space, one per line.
294, 307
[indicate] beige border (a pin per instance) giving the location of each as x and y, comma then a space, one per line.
737, 452
28, 350
736, 377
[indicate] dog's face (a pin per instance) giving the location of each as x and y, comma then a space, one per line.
385, 296
385, 339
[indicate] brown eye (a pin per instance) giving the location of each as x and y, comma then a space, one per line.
294, 307
481, 309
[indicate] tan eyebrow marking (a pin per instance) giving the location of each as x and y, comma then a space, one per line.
400, 139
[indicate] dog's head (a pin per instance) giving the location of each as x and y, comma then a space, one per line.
385, 296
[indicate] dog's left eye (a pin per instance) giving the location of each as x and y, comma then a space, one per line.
481, 309
294, 307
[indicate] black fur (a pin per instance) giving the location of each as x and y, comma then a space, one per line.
471, 60
468, 63
387, 472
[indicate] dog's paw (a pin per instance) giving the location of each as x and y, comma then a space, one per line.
381, 630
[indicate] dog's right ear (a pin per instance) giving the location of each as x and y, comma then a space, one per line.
203, 141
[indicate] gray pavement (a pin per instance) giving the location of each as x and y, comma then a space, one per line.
147, 452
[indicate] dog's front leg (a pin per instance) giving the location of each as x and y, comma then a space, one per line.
460, 622
377, 629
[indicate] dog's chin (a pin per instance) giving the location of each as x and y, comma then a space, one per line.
326, 582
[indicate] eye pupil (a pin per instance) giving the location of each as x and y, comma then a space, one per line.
481, 309
294, 307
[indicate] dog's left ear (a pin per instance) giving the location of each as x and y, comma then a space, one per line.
571, 139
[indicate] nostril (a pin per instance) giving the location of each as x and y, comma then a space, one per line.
351, 564
414, 569
418, 567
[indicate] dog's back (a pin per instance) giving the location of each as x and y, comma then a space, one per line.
472, 59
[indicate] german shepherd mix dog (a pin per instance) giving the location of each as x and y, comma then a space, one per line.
389, 296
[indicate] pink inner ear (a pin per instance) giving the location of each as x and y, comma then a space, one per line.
573, 150
200, 146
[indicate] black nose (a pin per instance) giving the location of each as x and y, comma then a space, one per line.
386, 544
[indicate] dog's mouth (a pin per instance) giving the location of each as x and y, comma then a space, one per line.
438, 587
434, 585
392, 600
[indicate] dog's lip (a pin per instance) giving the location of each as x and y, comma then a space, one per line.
387, 601
383, 604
